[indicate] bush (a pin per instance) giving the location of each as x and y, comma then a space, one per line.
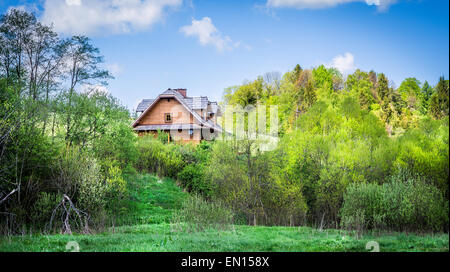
80, 179
192, 177
157, 157
43, 208
424, 151
406, 203
197, 214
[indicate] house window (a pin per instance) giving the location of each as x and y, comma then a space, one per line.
168, 117
191, 133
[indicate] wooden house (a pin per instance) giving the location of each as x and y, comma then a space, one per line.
186, 119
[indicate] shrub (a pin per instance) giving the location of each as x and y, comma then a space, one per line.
192, 177
197, 214
424, 151
157, 157
404, 203
79, 178
43, 208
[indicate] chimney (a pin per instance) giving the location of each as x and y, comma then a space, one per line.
181, 91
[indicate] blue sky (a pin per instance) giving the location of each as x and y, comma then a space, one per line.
206, 46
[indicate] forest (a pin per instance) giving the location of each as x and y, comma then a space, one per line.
355, 152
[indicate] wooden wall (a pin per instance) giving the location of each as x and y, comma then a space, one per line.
155, 116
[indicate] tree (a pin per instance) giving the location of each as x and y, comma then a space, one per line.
410, 92
16, 27
439, 105
373, 77
425, 95
323, 81
248, 94
84, 67
382, 87
297, 70
359, 85
35, 65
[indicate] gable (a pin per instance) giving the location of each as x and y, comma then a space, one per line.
155, 114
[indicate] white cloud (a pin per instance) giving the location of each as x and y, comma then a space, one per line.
317, 4
344, 63
73, 2
114, 68
208, 34
90, 17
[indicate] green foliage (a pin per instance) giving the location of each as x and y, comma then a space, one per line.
247, 94
56, 140
439, 105
252, 184
405, 203
424, 151
382, 87
425, 96
323, 81
157, 157
360, 86
410, 92
79, 177
43, 208
332, 139
192, 178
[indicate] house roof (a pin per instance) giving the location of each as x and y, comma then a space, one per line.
215, 108
167, 127
144, 104
194, 103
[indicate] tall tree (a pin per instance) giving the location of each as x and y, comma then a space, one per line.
17, 29
382, 87
84, 62
439, 100
359, 86
410, 92
425, 95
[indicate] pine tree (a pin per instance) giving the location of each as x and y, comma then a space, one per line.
439, 100
383, 87
425, 96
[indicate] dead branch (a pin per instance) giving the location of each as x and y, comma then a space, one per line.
8, 195
67, 207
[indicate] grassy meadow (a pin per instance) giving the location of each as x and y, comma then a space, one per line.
149, 229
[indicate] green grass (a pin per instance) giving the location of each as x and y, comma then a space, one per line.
158, 237
150, 208
152, 200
